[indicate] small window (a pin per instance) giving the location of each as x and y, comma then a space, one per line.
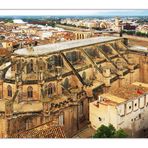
135, 104
30, 92
51, 89
100, 119
30, 66
139, 116
130, 107
9, 91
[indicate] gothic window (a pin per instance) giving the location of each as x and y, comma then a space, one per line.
30, 66
139, 116
58, 60
41, 64
9, 89
49, 66
66, 83
51, 89
107, 50
19, 66
83, 36
77, 36
74, 56
69, 56
50, 63
30, 92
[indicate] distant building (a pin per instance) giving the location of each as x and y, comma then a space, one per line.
129, 26
117, 25
19, 21
142, 29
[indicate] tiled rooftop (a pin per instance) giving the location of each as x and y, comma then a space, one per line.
43, 131
122, 94
129, 91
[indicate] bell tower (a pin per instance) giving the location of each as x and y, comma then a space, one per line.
118, 25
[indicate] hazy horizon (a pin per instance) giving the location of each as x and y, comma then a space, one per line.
73, 13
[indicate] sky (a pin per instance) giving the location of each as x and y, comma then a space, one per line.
78, 12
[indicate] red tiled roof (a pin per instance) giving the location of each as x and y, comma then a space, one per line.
50, 131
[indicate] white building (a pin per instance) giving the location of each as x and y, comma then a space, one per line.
125, 108
19, 21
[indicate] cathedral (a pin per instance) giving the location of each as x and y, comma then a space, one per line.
54, 83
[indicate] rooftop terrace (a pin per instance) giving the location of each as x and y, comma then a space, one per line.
130, 91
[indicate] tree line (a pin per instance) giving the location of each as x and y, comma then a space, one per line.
133, 32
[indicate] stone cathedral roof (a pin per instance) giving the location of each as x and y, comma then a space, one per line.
56, 47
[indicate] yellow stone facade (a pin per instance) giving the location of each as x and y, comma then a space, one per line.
39, 84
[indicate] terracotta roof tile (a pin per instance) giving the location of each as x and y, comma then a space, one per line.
45, 131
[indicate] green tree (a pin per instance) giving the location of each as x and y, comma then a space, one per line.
109, 132
121, 134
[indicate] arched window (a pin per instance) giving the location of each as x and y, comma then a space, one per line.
41, 64
60, 61
66, 83
83, 36
80, 36
9, 90
30, 92
77, 36
51, 89
30, 66
50, 63
19, 66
